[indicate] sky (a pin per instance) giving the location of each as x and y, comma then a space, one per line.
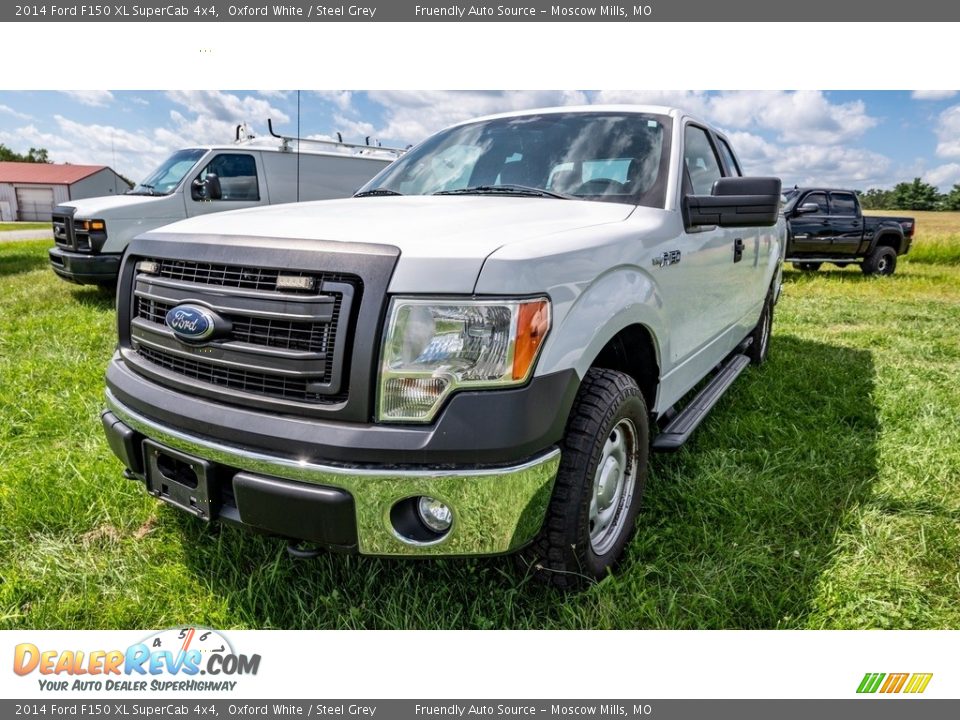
840, 138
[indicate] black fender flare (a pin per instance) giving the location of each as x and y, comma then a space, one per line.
884, 231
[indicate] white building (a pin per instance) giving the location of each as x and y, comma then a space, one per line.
30, 191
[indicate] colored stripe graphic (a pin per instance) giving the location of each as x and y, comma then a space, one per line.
918, 683
894, 683
870, 682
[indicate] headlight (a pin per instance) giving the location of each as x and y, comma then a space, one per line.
432, 348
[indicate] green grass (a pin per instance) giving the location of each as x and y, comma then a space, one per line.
4, 226
938, 235
823, 492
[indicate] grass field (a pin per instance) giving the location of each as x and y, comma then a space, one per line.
823, 492
4, 226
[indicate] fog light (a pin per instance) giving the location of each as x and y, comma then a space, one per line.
434, 514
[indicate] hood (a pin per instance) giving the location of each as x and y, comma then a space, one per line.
444, 238
123, 207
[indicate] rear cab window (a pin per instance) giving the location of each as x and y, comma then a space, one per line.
843, 204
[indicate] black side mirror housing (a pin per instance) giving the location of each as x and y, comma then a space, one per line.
206, 189
736, 202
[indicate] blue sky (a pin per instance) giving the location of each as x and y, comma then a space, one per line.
846, 138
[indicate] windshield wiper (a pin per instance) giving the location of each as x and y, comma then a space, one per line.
136, 191
519, 190
377, 192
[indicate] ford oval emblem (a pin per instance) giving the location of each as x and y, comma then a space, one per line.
191, 322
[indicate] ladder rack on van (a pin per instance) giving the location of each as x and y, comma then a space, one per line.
286, 143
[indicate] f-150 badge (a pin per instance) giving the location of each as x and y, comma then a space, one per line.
671, 257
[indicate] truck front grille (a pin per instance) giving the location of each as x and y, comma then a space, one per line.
286, 345
307, 336
239, 276
244, 380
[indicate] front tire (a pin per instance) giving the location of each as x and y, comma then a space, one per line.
759, 349
882, 261
599, 485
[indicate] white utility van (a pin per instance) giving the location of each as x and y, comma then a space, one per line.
90, 235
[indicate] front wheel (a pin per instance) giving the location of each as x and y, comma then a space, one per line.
602, 475
760, 347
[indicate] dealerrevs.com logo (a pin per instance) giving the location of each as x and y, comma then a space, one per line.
169, 660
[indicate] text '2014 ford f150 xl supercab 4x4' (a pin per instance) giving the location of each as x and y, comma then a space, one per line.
471, 356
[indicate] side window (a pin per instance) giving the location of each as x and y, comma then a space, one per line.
700, 159
728, 159
237, 174
843, 204
819, 199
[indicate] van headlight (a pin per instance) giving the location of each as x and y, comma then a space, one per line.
434, 347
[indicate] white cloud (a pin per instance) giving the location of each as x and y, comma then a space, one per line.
227, 107
341, 98
943, 176
93, 98
933, 94
804, 116
7, 110
948, 133
812, 164
797, 117
139, 100
413, 115
692, 101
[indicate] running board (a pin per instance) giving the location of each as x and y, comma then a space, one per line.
681, 427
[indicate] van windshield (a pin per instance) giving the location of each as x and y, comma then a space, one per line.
602, 156
164, 179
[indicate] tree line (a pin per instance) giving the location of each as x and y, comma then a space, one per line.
34, 155
916, 195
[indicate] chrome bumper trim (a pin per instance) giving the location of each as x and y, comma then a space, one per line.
496, 510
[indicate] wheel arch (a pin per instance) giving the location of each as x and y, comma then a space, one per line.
888, 237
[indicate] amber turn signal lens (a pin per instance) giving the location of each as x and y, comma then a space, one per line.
533, 324
97, 225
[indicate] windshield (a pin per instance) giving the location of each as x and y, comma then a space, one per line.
165, 178
612, 157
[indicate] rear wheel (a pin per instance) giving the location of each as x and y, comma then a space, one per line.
882, 261
602, 475
807, 266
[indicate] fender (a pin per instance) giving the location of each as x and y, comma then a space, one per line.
598, 314
891, 228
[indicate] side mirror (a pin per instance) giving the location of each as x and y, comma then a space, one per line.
206, 189
736, 202
807, 209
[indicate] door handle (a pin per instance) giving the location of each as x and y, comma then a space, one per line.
738, 250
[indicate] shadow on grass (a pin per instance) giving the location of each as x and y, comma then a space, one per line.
95, 296
736, 532
16, 263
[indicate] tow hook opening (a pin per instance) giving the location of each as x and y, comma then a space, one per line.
421, 520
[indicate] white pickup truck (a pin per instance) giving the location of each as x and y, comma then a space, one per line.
90, 235
474, 355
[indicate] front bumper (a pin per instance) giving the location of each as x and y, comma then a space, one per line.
495, 509
84, 268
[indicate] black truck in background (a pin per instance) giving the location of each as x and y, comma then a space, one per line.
828, 226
